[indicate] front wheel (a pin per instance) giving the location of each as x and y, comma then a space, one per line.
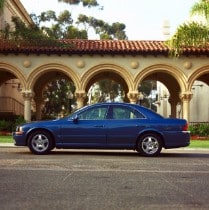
149, 145
40, 142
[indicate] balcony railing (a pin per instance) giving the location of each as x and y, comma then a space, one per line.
11, 105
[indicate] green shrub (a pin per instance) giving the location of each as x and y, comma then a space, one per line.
4, 125
10, 125
200, 129
19, 120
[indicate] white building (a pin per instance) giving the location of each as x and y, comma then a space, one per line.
199, 106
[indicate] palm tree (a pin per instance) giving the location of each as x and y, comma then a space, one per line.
201, 8
193, 33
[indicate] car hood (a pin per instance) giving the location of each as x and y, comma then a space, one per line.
43, 122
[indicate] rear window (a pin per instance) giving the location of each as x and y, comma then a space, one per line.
122, 113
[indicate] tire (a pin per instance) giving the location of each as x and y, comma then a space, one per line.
149, 145
40, 142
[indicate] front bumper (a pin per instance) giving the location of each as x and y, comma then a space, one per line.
19, 140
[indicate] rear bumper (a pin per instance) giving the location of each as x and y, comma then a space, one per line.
177, 139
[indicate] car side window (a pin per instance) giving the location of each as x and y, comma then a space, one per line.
97, 113
122, 113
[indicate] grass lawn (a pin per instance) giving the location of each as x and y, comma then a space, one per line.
199, 144
193, 144
6, 139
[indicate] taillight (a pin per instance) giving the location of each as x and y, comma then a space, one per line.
185, 127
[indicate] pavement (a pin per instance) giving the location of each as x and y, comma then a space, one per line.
7, 145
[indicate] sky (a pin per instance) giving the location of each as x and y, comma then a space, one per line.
143, 18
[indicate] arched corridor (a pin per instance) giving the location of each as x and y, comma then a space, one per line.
121, 61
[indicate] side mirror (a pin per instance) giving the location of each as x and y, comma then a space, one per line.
75, 119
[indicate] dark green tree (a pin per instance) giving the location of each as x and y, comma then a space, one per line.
85, 3
56, 96
109, 90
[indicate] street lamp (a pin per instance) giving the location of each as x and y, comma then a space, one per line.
70, 97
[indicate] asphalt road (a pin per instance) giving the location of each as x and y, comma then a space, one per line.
74, 179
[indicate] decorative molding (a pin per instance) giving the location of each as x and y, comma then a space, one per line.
80, 64
134, 64
27, 63
187, 65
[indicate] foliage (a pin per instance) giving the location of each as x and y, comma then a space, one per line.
2, 2
146, 88
29, 35
48, 27
56, 96
86, 3
201, 8
4, 125
200, 129
103, 29
192, 34
188, 35
9, 125
62, 26
105, 91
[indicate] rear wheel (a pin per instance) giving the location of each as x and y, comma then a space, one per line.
149, 145
40, 142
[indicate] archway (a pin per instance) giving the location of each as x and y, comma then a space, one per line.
173, 80
112, 73
12, 82
199, 86
43, 80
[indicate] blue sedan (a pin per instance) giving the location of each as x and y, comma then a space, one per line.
106, 126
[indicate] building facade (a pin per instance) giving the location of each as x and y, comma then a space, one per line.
13, 8
199, 105
27, 69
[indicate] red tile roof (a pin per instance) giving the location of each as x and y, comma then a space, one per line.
77, 46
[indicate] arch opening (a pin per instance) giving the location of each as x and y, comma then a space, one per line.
11, 100
106, 86
53, 95
200, 98
163, 95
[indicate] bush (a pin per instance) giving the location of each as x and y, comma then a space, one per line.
4, 125
10, 125
200, 129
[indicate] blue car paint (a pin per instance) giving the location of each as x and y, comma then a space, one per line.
108, 133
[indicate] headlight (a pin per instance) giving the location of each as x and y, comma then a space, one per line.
19, 130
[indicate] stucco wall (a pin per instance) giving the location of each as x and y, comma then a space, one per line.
31, 69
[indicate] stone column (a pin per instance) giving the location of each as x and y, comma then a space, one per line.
27, 96
80, 98
133, 96
186, 98
173, 102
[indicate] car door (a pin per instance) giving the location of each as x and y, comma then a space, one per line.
124, 127
89, 130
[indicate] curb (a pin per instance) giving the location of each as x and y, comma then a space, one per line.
10, 145
7, 145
